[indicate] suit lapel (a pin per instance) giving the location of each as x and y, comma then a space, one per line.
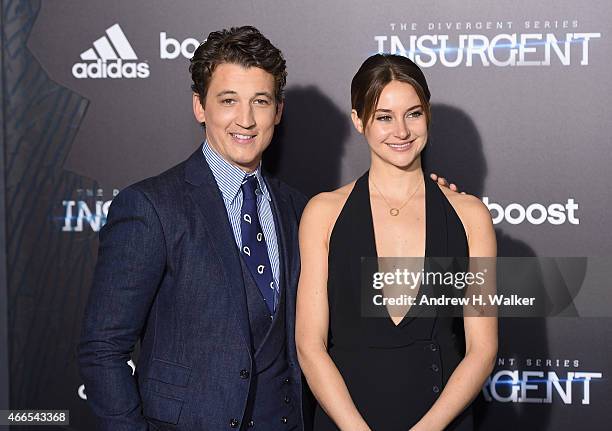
206, 194
285, 221
284, 233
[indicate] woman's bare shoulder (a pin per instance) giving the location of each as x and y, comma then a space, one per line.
330, 201
323, 209
471, 210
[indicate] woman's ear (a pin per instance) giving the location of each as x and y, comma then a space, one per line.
357, 121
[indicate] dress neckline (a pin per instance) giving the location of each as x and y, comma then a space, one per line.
365, 184
364, 189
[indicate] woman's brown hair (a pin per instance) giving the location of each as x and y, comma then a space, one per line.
378, 71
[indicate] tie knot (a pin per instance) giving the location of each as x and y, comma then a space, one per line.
249, 186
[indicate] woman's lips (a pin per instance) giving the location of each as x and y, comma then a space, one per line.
404, 146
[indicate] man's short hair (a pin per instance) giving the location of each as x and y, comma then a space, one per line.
244, 46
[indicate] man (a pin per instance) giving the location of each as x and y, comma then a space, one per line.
201, 264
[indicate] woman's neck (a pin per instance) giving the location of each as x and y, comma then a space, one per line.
393, 181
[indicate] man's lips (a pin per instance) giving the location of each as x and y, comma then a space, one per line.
242, 138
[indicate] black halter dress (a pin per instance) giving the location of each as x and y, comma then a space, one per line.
393, 373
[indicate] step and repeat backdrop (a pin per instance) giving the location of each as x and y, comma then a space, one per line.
96, 96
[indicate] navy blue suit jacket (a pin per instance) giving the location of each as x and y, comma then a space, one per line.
168, 274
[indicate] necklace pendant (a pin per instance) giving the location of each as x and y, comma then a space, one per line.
394, 212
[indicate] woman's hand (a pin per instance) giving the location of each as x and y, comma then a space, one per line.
443, 182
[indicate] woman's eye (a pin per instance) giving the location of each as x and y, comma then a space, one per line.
414, 114
384, 118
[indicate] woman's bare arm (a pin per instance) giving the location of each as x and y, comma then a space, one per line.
312, 316
480, 332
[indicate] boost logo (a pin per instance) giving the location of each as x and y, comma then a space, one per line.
536, 213
110, 57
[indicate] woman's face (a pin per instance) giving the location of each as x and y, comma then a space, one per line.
397, 132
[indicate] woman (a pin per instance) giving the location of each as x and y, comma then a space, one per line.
394, 373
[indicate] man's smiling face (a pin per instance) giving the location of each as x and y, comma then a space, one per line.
240, 112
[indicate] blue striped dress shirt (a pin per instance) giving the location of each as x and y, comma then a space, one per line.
229, 178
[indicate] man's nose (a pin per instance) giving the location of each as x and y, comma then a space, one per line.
246, 118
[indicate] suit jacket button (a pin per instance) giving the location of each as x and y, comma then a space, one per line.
251, 424
433, 347
287, 400
287, 380
434, 367
234, 423
284, 419
244, 374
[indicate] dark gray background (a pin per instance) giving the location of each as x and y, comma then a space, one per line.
4, 370
514, 134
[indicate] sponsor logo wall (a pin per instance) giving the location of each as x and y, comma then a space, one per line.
536, 383
111, 57
99, 97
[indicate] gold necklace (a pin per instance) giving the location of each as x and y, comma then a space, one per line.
394, 211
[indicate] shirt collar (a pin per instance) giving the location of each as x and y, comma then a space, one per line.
229, 177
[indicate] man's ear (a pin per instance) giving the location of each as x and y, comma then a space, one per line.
279, 112
357, 121
198, 109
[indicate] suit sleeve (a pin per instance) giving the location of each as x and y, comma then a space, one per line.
131, 262
299, 201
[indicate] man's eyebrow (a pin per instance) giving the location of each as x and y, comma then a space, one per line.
263, 93
233, 93
224, 92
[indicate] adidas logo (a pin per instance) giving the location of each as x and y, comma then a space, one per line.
112, 56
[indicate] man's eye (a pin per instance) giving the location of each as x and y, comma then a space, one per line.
261, 102
228, 101
384, 118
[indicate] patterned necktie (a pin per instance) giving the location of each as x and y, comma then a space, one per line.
254, 249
